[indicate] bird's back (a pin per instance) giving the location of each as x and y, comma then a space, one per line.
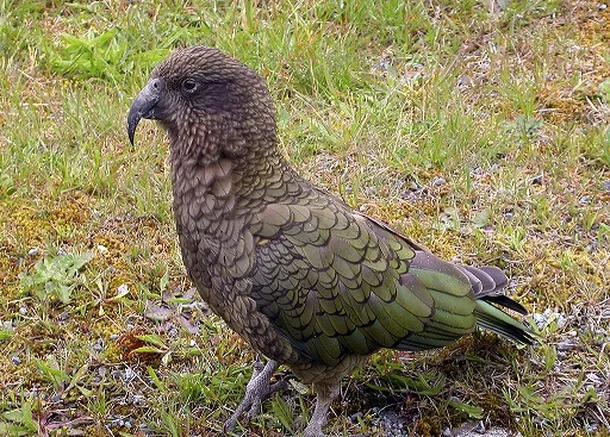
337, 283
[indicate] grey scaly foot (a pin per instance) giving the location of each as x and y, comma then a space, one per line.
257, 390
325, 397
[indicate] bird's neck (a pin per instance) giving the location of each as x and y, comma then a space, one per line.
228, 187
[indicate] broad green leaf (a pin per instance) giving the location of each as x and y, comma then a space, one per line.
282, 412
472, 411
153, 339
155, 379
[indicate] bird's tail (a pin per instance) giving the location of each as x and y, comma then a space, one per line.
488, 284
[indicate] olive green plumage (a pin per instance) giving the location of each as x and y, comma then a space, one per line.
305, 280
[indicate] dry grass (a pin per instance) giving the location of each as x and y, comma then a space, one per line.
481, 132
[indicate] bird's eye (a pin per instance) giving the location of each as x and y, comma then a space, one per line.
189, 85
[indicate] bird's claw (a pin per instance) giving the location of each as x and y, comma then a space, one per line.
257, 390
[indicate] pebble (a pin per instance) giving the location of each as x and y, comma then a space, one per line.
23, 311
122, 290
566, 345
543, 319
129, 374
138, 400
438, 182
356, 417
98, 346
478, 429
537, 180
591, 428
383, 65
414, 186
606, 186
114, 337
34, 251
15, 360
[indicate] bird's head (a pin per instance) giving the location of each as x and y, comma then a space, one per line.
211, 105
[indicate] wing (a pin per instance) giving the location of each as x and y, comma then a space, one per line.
337, 283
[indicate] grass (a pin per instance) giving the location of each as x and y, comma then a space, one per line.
480, 131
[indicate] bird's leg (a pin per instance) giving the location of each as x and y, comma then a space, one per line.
325, 396
256, 391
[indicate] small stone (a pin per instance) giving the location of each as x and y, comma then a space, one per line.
592, 247
15, 360
464, 81
414, 186
383, 65
138, 400
480, 427
34, 251
356, 417
102, 249
413, 73
23, 311
591, 428
606, 186
129, 374
584, 200
566, 345
127, 424
158, 313
122, 290
438, 182
98, 346
538, 180
114, 337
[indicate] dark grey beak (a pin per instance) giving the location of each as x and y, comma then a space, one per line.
143, 106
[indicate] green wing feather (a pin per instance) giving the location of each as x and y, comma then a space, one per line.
337, 283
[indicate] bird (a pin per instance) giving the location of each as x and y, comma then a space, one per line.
305, 280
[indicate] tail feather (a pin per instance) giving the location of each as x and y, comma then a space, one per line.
507, 302
496, 320
487, 285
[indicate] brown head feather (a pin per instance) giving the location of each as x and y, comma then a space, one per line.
214, 107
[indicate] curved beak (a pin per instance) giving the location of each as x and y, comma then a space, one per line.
143, 106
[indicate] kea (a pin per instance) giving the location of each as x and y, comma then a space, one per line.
305, 280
